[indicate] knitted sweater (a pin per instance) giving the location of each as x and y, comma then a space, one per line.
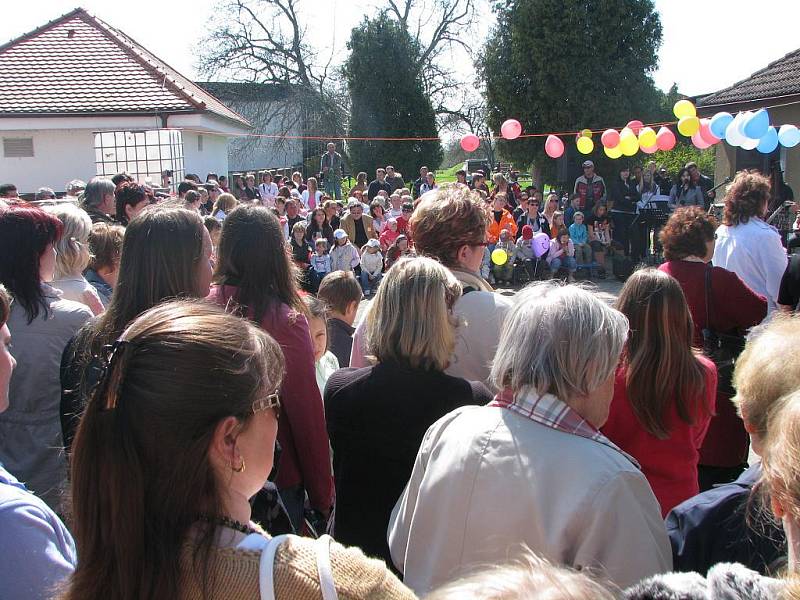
234, 574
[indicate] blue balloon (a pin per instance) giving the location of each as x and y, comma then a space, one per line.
768, 142
789, 136
719, 123
757, 125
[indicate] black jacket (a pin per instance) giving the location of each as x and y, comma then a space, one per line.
377, 417
524, 220
723, 524
624, 195
376, 186
340, 340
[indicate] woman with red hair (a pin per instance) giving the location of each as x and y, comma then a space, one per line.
31, 446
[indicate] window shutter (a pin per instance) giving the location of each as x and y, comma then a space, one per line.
17, 147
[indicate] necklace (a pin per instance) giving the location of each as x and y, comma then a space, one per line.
229, 523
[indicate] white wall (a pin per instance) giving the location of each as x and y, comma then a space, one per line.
58, 157
213, 158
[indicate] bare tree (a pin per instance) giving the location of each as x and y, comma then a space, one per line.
441, 28
263, 41
470, 117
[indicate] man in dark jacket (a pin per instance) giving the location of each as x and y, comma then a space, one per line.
378, 184
423, 173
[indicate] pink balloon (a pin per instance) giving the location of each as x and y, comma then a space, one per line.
705, 132
610, 138
553, 146
665, 139
636, 125
649, 150
511, 129
699, 142
541, 244
470, 142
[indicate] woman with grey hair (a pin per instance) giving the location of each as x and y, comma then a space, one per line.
99, 200
532, 467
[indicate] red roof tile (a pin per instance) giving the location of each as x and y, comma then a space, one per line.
78, 65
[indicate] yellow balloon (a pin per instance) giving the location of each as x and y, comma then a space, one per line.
684, 108
614, 152
630, 149
628, 143
586, 133
688, 126
585, 145
626, 132
647, 137
499, 257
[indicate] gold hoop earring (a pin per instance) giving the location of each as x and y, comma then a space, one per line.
240, 468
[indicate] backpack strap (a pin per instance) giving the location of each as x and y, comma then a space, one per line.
326, 583
266, 574
266, 583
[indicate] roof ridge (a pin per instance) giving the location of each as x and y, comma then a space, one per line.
42, 28
135, 50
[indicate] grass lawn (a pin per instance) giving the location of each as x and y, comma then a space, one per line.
449, 175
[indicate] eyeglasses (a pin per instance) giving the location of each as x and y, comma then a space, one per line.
271, 401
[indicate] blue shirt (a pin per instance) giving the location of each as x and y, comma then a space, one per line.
37, 549
579, 234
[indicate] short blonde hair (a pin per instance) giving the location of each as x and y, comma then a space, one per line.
72, 249
768, 368
781, 467
411, 321
527, 578
559, 340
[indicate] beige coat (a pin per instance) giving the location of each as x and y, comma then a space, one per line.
487, 480
349, 225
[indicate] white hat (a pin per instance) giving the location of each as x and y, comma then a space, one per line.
373, 243
340, 234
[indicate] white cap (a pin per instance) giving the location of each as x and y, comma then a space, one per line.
340, 234
373, 243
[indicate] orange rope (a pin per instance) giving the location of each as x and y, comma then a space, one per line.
425, 139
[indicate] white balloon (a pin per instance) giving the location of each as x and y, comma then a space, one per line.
749, 144
732, 134
745, 116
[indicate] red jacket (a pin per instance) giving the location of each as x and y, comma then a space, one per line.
670, 465
734, 307
302, 432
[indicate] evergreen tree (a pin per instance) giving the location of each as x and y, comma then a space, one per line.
565, 65
387, 100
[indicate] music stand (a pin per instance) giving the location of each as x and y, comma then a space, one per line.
655, 216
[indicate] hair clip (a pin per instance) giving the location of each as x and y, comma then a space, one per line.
111, 352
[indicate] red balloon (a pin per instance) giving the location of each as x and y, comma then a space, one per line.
665, 139
705, 132
553, 146
610, 138
511, 129
470, 142
635, 125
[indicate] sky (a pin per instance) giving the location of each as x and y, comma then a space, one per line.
707, 44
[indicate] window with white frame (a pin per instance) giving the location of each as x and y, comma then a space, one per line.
145, 155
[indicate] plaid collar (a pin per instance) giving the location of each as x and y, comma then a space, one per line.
548, 410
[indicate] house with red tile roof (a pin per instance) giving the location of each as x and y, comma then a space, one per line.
776, 86
80, 98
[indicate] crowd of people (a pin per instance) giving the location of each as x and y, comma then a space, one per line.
198, 401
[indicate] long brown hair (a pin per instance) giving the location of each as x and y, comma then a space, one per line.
252, 256
140, 468
661, 366
160, 257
